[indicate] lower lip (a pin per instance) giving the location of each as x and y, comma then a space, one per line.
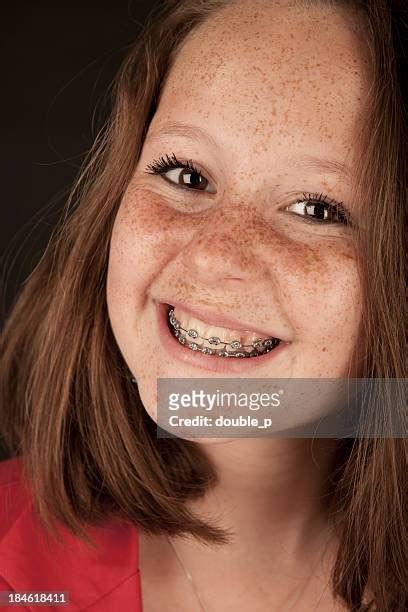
211, 363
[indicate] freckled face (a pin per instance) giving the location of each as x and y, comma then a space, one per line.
269, 84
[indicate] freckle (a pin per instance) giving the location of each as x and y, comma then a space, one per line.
324, 349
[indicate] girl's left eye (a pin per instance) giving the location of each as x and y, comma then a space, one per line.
313, 207
318, 208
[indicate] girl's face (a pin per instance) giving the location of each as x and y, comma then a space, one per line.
264, 100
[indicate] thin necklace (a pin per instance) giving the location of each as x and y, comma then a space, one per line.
197, 594
188, 576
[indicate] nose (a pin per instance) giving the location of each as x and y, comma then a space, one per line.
225, 247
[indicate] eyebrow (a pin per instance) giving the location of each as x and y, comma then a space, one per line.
176, 128
198, 135
331, 166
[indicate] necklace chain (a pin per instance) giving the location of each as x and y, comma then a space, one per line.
188, 576
195, 590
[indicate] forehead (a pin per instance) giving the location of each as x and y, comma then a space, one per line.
264, 71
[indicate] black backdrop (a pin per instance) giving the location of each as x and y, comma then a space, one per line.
57, 60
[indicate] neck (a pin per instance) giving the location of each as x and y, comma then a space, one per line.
269, 491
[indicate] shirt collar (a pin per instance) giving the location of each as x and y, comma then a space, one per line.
31, 562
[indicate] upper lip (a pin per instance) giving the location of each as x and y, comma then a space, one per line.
219, 320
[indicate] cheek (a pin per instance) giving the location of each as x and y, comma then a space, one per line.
321, 289
144, 237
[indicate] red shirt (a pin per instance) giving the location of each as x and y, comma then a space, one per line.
107, 580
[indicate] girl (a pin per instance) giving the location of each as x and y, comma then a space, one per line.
250, 185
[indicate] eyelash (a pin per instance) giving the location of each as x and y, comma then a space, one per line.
163, 165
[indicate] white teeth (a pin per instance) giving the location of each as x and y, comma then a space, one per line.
217, 336
209, 340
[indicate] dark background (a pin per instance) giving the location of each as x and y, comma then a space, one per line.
57, 61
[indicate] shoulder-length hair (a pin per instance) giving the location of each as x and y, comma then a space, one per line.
67, 401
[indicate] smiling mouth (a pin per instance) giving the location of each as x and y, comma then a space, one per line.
214, 345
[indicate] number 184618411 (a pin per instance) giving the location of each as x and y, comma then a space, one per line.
21, 598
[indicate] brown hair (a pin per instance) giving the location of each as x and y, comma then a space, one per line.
67, 403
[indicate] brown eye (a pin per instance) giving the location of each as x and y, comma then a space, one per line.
187, 178
316, 208
179, 173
